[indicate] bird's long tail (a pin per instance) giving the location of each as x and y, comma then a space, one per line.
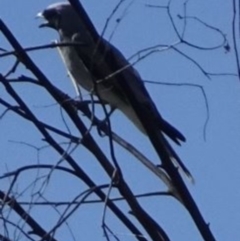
171, 132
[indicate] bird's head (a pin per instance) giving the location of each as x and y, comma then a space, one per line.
61, 17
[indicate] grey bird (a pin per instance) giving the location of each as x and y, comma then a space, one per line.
89, 69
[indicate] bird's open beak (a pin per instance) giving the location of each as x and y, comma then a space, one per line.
44, 24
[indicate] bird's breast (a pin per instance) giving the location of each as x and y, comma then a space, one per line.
77, 68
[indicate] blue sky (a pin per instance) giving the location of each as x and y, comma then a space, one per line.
214, 162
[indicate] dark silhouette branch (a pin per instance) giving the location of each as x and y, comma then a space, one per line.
36, 228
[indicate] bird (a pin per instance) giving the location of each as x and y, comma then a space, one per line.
87, 63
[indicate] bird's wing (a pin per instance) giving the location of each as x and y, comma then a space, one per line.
96, 58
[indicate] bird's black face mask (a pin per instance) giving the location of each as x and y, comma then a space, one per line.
52, 17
